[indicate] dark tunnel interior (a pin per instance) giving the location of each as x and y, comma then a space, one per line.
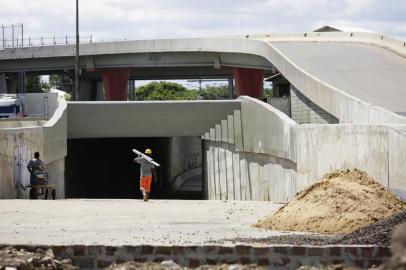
104, 169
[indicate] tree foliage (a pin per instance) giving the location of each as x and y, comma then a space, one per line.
267, 92
173, 91
61, 82
34, 84
214, 92
164, 91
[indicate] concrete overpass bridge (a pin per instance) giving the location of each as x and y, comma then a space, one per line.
251, 150
336, 71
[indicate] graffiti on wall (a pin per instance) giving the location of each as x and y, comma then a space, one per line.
22, 156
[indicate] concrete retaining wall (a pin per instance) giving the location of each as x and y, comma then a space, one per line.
397, 157
377, 149
266, 130
17, 147
251, 155
321, 149
281, 103
304, 111
258, 153
236, 175
184, 161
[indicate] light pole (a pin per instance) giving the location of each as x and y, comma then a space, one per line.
76, 91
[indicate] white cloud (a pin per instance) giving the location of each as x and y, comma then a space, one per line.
143, 19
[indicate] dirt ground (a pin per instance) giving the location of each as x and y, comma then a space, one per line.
341, 202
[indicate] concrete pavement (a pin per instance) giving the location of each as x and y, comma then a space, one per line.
129, 222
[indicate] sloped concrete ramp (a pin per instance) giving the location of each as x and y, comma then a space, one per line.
370, 73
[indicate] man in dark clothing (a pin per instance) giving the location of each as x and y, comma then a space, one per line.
35, 166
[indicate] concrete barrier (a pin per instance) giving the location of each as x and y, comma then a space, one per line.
40, 104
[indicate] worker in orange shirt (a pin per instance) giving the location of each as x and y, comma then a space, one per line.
147, 171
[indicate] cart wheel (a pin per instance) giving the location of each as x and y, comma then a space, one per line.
33, 194
53, 194
46, 194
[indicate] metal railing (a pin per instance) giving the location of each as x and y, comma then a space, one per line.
12, 36
15, 31
44, 41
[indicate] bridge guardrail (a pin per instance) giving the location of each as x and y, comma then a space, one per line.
19, 42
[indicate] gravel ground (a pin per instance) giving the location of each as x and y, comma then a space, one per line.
378, 233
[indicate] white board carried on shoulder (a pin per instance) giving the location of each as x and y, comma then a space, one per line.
147, 158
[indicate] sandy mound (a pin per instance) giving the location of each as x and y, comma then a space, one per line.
341, 202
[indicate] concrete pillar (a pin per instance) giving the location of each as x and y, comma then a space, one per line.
3, 84
131, 90
231, 88
21, 82
116, 83
100, 91
85, 91
13, 86
249, 82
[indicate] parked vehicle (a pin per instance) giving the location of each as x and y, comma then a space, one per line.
10, 107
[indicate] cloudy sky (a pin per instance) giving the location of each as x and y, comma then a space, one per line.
145, 19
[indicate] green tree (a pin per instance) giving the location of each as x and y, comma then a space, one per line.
214, 92
267, 92
34, 84
61, 82
164, 91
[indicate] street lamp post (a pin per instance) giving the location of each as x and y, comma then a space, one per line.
76, 92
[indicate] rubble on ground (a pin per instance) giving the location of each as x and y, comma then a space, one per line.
398, 249
171, 265
12, 258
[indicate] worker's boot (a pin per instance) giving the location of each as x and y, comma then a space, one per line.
146, 197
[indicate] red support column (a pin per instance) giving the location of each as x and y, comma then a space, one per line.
115, 82
249, 82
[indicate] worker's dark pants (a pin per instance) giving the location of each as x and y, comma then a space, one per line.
32, 179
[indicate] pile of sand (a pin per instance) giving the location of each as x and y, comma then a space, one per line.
341, 202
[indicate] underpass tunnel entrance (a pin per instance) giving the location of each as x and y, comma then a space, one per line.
104, 168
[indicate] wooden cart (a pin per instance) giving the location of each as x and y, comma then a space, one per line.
41, 188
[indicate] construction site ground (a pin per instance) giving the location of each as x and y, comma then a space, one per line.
98, 233
130, 222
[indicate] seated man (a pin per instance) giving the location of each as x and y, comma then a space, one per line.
35, 166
